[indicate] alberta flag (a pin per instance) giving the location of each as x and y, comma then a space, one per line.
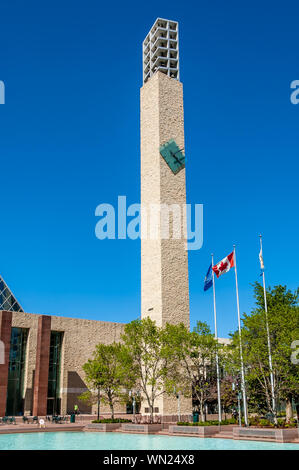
208, 279
224, 265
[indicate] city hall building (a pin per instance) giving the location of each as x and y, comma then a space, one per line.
42, 371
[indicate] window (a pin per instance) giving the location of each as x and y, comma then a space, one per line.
53, 403
16, 368
147, 410
7, 300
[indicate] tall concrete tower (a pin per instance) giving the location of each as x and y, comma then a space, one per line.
164, 261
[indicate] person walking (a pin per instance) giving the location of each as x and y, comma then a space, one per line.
42, 423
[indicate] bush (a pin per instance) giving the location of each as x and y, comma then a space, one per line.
230, 421
254, 421
265, 422
110, 420
209, 423
281, 422
291, 424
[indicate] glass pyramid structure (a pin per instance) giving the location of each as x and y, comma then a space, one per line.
7, 299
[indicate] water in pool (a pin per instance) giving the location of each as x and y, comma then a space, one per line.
118, 441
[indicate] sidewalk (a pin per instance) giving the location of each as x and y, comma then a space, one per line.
50, 427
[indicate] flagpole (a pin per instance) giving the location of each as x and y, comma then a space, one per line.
268, 339
216, 338
240, 340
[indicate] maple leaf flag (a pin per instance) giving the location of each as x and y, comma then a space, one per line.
224, 265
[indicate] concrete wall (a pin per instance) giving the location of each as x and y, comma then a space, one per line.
79, 341
164, 262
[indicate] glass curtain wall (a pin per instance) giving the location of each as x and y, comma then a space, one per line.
16, 369
53, 403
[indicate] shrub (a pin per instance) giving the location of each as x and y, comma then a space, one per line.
281, 422
110, 420
291, 424
254, 421
209, 423
264, 422
230, 421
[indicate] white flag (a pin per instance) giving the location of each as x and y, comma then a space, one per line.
261, 260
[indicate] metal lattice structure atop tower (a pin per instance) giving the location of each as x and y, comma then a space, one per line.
160, 49
7, 299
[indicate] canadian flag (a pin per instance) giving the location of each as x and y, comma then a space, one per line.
224, 265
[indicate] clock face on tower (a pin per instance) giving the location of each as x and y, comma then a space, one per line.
173, 156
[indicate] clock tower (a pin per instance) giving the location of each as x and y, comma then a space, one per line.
164, 259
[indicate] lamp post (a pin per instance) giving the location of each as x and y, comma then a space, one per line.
134, 395
239, 403
178, 396
99, 398
179, 405
239, 408
134, 407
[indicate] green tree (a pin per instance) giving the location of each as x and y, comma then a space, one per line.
283, 312
283, 321
196, 352
152, 357
109, 375
229, 394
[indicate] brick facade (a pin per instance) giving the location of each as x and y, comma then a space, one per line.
42, 366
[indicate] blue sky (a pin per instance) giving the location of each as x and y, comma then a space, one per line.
69, 140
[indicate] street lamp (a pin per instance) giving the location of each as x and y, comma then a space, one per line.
178, 396
99, 399
133, 395
239, 402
